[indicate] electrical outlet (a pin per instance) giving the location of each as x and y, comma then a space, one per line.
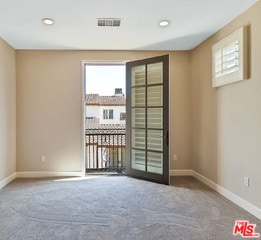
246, 181
175, 157
42, 159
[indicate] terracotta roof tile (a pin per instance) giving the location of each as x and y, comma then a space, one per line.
96, 99
93, 125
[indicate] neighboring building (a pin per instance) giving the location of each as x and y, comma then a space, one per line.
108, 109
105, 131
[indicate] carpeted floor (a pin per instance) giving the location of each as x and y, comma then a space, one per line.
114, 208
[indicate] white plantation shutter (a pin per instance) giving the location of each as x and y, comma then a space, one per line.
229, 58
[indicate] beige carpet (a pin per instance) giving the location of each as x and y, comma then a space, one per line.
116, 207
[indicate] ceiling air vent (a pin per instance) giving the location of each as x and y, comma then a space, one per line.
109, 22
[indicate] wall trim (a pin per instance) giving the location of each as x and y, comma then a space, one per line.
181, 172
41, 174
7, 180
221, 190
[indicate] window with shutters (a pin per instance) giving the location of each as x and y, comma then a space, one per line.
229, 59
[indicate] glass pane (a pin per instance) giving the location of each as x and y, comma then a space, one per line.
138, 97
110, 114
155, 118
155, 162
155, 96
138, 159
138, 76
138, 138
138, 117
155, 140
155, 74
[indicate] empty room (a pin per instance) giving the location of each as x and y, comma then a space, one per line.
174, 155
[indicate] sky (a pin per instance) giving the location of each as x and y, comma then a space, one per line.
103, 79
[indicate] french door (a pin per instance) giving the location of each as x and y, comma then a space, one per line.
147, 152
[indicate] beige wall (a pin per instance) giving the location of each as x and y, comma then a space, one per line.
7, 111
226, 121
49, 106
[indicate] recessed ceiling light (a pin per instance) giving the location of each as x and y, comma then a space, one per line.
48, 21
164, 23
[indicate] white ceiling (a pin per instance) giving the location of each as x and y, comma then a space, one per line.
192, 21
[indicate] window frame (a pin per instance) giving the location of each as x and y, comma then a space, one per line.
107, 114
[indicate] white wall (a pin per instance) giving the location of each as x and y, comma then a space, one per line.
97, 112
116, 115
92, 111
7, 112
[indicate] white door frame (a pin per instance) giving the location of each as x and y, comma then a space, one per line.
83, 90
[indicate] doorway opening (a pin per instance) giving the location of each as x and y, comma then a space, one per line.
105, 117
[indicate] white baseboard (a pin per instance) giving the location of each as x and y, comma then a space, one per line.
221, 190
7, 180
229, 195
40, 174
182, 172
205, 180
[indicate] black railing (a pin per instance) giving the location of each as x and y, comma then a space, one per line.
105, 150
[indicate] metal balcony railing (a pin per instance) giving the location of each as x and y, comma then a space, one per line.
105, 150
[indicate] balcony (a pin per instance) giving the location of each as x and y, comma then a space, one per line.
105, 150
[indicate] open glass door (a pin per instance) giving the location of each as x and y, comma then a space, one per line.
147, 150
